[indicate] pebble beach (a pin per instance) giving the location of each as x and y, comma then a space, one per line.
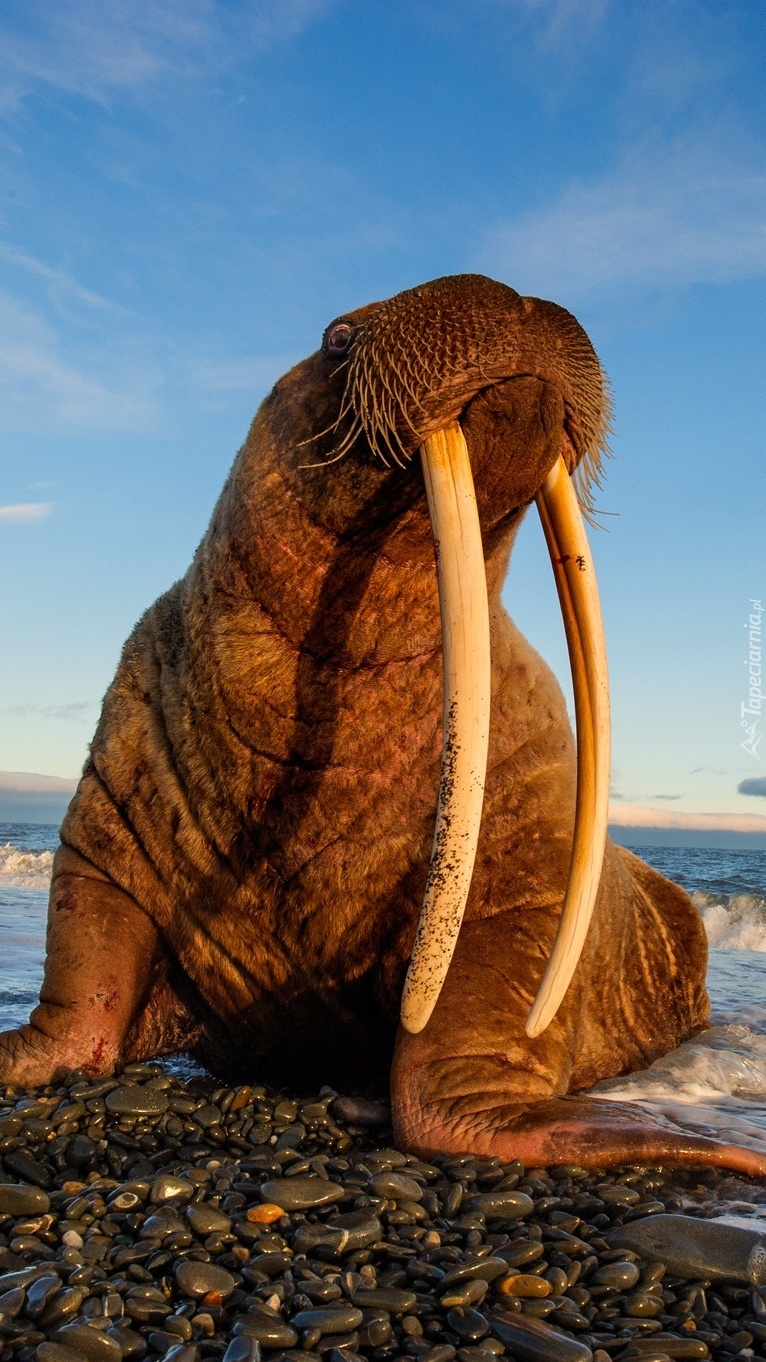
154, 1216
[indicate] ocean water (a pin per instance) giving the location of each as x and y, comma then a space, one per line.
714, 1084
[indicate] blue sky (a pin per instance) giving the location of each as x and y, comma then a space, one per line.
191, 189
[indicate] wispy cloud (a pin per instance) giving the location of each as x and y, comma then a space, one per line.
25, 512
633, 816
13, 255
100, 50
674, 214
94, 50
560, 18
41, 384
77, 711
754, 785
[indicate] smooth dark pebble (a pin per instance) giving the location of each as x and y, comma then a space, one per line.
696, 1248
468, 1324
360, 1112
269, 1333
395, 1186
196, 1279
208, 1219
57, 1352
488, 1269
129, 1100
620, 1275
531, 1340
96, 1345
671, 1346
243, 1348
501, 1205
301, 1193
16, 1199
329, 1319
390, 1298
182, 1352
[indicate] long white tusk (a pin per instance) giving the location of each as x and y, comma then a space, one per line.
578, 594
465, 640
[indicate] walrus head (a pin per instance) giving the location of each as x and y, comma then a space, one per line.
410, 375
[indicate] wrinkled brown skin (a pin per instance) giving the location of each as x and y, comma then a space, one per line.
243, 864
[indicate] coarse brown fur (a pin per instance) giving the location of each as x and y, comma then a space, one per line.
243, 864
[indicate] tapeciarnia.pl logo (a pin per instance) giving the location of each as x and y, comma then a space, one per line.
751, 710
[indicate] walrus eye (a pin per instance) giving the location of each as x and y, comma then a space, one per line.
338, 339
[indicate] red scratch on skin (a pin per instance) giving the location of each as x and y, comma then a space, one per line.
96, 1057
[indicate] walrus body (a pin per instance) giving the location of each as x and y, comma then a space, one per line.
243, 864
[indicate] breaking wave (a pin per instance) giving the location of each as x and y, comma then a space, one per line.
733, 922
22, 869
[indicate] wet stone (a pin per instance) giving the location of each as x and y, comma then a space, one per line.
396, 1187
521, 1254
244, 1348
468, 1324
531, 1340
329, 1319
273, 1264
12, 1301
207, 1116
671, 1347
57, 1352
487, 1269
208, 1220
301, 1193
696, 1248
82, 1151
40, 1292
169, 1188
196, 1279
130, 1100
509, 1205
20, 1162
524, 1285
392, 1299
359, 1111
94, 1344
182, 1352
131, 1343
19, 1200
270, 1333
640, 1304
622, 1276
375, 1330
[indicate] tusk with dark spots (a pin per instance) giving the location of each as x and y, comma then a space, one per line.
465, 641
578, 594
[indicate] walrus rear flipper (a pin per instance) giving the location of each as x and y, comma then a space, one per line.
582, 1130
107, 997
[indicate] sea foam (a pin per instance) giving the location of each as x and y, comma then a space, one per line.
21, 869
733, 922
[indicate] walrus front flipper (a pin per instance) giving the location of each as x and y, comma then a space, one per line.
106, 998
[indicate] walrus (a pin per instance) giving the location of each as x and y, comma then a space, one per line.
243, 865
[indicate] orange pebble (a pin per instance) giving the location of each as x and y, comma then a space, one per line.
525, 1285
264, 1215
212, 1299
